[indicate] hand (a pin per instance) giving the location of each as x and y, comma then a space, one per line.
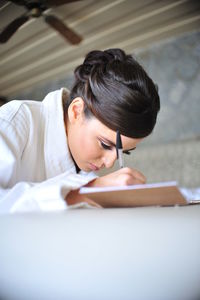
124, 176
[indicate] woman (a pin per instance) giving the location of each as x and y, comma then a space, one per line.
50, 149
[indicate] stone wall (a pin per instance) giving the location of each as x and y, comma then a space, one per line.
175, 66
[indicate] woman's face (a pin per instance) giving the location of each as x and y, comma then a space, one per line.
91, 143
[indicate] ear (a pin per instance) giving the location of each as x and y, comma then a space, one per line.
76, 110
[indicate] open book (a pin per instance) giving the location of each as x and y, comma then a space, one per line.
161, 194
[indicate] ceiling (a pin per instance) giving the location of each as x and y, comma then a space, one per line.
37, 54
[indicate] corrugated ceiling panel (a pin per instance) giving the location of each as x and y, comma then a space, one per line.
36, 53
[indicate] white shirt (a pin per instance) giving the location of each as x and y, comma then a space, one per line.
36, 168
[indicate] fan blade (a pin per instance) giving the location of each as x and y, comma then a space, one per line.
19, 2
59, 2
6, 34
65, 31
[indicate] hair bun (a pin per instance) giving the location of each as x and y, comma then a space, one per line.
116, 54
98, 59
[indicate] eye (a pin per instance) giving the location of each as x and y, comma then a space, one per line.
105, 146
127, 152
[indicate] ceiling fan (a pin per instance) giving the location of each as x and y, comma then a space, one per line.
35, 9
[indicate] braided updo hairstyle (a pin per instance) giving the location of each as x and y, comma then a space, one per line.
117, 91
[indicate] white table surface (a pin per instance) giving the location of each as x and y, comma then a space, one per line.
149, 253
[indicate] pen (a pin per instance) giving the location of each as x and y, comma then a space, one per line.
119, 150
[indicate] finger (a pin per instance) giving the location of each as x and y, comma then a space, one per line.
138, 176
135, 174
137, 181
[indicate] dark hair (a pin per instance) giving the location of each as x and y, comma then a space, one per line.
117, 91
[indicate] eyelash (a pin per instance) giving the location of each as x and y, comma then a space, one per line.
106, 146
127, 152
110, 148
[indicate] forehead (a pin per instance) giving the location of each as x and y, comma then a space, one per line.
129, 143
99, 129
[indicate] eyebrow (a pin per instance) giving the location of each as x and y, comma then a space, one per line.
114, 145
131, 149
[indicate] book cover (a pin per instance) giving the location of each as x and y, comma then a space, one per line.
156, 194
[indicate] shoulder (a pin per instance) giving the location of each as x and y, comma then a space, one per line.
9, 110
25, 112
17, 111
55, 97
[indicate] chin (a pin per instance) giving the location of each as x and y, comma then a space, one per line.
84, 168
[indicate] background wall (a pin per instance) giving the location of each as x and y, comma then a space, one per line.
175, 67
172, 152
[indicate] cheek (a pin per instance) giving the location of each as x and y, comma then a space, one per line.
89, 148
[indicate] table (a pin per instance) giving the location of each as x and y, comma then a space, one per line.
145, 253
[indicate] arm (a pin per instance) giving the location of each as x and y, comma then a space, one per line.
30, 196
17, 195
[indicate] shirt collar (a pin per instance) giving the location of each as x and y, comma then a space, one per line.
57, 156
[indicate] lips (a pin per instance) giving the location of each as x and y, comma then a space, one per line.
93, 167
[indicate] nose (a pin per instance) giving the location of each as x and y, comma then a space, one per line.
109, 158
